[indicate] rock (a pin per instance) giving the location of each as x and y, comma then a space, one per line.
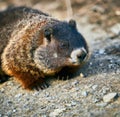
47, 94
91, 63
101, 51
117, 12
110, 97
104, 91
103, 104
14, 110
73, 103
9, 103
117, 114
18, 95
95, 100
76, 82
97, 8
56, 112
82, 75
35, 93
85, 93
115, 28
118, 94
2, 90
94, 87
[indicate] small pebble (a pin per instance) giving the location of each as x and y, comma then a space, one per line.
69, 105
117, 12
104, 91
36, 93
81, 75
117, 114
56, 112
118, 94
110, 97
94, 87
77, 89
110, 66
75, 82
101, 51
47, 94
2, 90
85, 93
96, 100
9, 102
10, 83
101, 104
115, 28
91, 63
14, 110
97, 8
18, 95
73, 103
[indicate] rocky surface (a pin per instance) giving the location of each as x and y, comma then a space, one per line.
94, 91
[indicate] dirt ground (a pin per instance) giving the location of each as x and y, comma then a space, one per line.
94, 91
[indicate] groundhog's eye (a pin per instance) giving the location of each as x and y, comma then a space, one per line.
48, 33
72, 23
64, 45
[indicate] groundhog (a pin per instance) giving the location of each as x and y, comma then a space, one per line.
35, 45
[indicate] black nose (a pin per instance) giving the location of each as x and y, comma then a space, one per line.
82, 55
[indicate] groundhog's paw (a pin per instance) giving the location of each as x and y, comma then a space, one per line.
40, 85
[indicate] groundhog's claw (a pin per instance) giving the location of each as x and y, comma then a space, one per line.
41, 86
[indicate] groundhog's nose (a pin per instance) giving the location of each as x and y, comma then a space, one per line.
81, 55
78, 55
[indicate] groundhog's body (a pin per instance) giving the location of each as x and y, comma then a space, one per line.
34, 45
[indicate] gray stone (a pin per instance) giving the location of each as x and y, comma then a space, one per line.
18, 95
116, 28
109, 97
76, 82
117, 114
94, 87
98, 8
102, 104
73, 103
95, 100
82, 75
2, 90
101, 51
14, 110
56, 112
85, 93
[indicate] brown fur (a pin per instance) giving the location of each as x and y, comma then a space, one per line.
29, 53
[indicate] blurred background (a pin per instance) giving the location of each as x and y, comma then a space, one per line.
101, 12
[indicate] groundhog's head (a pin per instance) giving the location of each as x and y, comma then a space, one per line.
62, 46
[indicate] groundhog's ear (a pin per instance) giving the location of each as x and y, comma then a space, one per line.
47, 33
72, 23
